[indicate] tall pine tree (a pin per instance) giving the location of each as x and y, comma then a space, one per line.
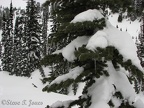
4, 43
18, 47
7, 39
33, 36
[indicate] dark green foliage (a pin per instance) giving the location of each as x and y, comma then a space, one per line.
4, 43
140, 47
126, 105
72, 30
120, 18
58, 67
33, 37
118, 95
139, 7
3, 11
44, 30
7, 40
1, 17
17, 47
111, 103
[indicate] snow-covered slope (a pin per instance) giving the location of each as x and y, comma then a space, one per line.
19, 92
132, 27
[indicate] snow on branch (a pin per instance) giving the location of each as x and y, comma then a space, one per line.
89, 15
64, 80
73, 74
68, 51
111, 36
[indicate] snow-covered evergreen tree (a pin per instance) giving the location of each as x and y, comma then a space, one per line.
7, 39
4, 43
33, 36
25, 61
140, 43
18, 46
101, 56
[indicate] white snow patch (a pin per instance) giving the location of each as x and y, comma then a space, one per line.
123, 42
117, 102
139, 104
88, 15
101, 93
132, 27
68, 51
60, 104
97, 40
120, 80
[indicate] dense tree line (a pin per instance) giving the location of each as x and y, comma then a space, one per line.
23, 39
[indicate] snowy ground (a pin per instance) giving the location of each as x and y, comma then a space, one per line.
19, 92
132, 27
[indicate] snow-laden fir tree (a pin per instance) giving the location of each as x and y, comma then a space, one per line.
25, 61
7, 39
90, 50
18, 46
4, 42
33, 36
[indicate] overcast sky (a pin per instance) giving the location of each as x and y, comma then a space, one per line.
17, 3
